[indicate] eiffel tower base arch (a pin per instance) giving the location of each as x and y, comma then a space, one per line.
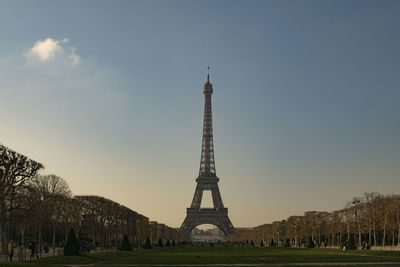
217, 217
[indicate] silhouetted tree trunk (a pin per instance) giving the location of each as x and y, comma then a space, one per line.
374, 227
23, 235
40, 239
54, 237
397, 222
369, 231
393, 230
3, 237
384, 229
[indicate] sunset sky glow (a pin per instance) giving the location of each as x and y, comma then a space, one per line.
108, 95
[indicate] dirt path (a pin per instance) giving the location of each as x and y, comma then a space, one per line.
240, 264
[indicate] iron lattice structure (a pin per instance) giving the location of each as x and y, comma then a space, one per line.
207, 180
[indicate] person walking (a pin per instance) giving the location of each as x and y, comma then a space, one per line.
32, 247
37, 249
20, 252
11, 250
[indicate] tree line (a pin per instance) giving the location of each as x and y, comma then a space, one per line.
42, 208
370, 220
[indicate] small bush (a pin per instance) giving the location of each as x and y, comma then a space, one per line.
160, 244
72, 247
351, 243
147, 244
310, 243
125, 246
272, 243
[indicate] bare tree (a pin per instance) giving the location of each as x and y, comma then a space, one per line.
370, 200
16, 169
51, 193
372, 218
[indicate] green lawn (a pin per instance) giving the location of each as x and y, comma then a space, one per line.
217, 255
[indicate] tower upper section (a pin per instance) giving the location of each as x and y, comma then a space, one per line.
207, 162
208, 88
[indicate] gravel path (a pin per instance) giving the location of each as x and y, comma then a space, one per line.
240, 264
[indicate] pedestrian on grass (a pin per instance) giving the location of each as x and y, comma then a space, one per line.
32, 246
20, 252
37, 250
11, 250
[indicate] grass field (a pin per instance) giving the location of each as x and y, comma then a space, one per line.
222, 255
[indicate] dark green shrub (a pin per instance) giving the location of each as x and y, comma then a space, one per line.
125, 246
351, 243
310, 243
160, 244
72, 247
272, 243
147, 244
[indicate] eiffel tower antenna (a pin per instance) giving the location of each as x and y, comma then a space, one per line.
207, 179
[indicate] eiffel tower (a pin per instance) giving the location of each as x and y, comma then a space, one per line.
207, 180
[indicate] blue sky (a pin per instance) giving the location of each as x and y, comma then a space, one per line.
305, 102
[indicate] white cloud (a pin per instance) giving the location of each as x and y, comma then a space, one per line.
49, 49
74, 57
